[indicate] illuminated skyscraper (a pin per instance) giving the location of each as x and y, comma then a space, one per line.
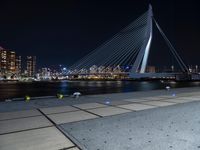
11, 61
3, 61
31, 65
18, 65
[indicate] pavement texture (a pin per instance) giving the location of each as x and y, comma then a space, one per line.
168, 128
152, 120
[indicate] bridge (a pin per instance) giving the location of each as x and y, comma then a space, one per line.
127, 52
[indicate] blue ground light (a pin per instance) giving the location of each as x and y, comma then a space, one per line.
173, 94
107, 102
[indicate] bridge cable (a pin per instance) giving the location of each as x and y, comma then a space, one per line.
178, 58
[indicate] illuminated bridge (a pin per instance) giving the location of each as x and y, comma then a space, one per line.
129, 47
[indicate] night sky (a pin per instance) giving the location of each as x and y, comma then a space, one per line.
63, 32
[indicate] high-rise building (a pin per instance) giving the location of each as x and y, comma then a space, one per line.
0, 60
18, 65
11, 62
7, 61
3, 61
31, 65
46, 73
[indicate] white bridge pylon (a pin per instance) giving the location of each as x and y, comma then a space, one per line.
140, 63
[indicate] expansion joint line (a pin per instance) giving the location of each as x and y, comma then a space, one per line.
57, 127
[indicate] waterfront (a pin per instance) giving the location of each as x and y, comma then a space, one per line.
139, 120
34, 89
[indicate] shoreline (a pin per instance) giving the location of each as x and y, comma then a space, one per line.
99, 98
35, 98
133, 80
157, 119
100, 94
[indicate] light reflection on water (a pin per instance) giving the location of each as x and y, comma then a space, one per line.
63, 86
13, 90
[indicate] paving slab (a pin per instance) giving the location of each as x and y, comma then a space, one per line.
136, 106
169, 96
167, 128
89, 105
19, 114
177, 100
60, 109
108, 111
192, 98
21, 124
135, 100
196, 95
186, 99
71, 117
154, 98
190, 94
158, 103
122, 102
39, 139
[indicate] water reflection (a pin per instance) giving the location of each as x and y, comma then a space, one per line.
12, 90
63, 86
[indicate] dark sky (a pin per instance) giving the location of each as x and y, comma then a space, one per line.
61, 32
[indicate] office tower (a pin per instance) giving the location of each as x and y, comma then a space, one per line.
18, 65
3, 61
31, 65
11, 61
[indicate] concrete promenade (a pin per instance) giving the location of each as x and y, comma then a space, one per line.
150, 120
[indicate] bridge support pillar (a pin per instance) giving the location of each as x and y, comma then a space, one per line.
140, 63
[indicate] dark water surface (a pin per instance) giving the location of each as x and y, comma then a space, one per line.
15, 90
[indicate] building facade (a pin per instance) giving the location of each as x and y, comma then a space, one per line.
3, 61
7, 62
11, 61
18, 65
31, 66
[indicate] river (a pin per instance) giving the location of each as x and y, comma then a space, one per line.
35, 89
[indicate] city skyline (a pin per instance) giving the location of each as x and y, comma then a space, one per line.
11, 64
18, 64
71, 30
